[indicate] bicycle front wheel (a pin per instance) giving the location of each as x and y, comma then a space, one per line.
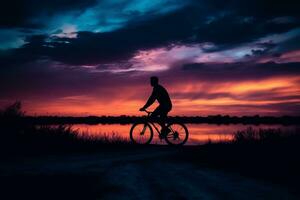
141, 133
178, 134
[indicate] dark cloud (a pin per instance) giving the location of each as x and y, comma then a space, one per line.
264, 49
241, 71
183, 27
269, 95
201, 95
258, 8
23, 13
290, 44
265, 95
19, 13
290, 109
226, 24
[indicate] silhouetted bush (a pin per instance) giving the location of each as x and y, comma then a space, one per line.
13, 110
265, 136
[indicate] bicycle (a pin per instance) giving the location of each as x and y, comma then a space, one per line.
142, 132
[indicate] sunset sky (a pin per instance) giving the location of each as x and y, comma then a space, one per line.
95, 57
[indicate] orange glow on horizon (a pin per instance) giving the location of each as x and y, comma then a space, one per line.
131, 99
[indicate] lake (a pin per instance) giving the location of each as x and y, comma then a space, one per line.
199, 133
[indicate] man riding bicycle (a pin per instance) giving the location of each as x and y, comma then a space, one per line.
160, 94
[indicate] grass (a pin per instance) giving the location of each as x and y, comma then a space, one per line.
19, 138
266, 136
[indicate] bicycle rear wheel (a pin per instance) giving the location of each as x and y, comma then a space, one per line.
141, 133
178, 134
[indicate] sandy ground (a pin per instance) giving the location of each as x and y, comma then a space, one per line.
144, 174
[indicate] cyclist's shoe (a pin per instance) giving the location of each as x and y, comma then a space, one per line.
164, 132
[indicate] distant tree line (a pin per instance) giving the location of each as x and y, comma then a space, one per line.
123, 119
15, 112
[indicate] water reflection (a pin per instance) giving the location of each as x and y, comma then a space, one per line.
199, 133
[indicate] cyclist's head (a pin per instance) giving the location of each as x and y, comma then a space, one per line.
154, 80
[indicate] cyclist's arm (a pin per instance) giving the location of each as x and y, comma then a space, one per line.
151, 99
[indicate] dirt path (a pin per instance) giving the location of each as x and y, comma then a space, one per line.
149, 174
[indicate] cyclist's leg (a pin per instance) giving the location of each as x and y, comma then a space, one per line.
163, 119
157, 115
160, 114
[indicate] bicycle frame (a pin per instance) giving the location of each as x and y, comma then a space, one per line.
152, 123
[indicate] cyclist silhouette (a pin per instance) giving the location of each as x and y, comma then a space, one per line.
160, 94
